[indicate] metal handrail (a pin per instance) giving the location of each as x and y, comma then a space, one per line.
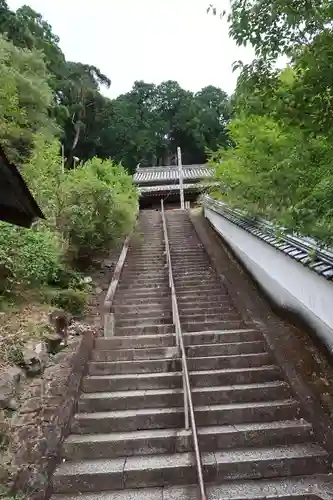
188, 403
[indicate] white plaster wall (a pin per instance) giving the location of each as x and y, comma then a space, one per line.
286, 281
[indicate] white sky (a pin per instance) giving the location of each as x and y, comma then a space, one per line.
150, 40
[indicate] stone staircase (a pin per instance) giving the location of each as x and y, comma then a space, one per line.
128, 440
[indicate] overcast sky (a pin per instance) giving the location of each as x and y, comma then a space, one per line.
150, 40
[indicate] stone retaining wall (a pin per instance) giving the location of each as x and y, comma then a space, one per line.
44, 419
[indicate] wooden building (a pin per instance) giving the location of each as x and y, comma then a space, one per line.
17, 205
156, 183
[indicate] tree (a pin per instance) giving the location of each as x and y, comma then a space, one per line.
276, 27
25, 98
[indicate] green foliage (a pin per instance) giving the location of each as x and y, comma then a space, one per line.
278, 172
275, 27
87, 210
30, 257
24, 98
281, 167
99, 207
72, 301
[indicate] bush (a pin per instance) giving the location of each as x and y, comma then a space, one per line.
72, 301
98, 208
29, 257
87, 210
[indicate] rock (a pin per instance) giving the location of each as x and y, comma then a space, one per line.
77, 328
87, 280
99, 290
53, 341
35, 358
9, 382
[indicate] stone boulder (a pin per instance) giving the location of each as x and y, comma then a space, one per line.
9, 384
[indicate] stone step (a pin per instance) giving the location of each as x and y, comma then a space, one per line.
233, 348
147, 312
148, 275
207, 317
201, 350
174, 364
146, 293
144, 300
134, 342
190, 339
143, 281
179, 468
139, 287
133, 308
144, 330
206, 308
188, 297
161, 398
135, 354
159, 441
211, 288
139, 366
173, 417
201, 326
204, 278
141, 321
105, 383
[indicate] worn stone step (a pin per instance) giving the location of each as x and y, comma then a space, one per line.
173, 417
190, 339
174, 364
179, 468
209, 317
148, 275
134, 308
136, 268
131, 295
159, 441
144, 300
206, 308
135, 354
181, 288
233, 348
135, 342
147, 312
192, 297
203, 350
200, 278
138, 366
105, 383
200, 326
222, 336
161, 398
143, 281
144, 330
141, 321
135, 288
231, 376
229, 361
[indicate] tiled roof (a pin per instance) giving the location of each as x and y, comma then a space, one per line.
171, 173
173, 187
305, 250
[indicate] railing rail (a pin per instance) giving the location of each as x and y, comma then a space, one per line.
188, 403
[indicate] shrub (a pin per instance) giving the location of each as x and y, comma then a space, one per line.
98, 209
72, 301
30, 257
